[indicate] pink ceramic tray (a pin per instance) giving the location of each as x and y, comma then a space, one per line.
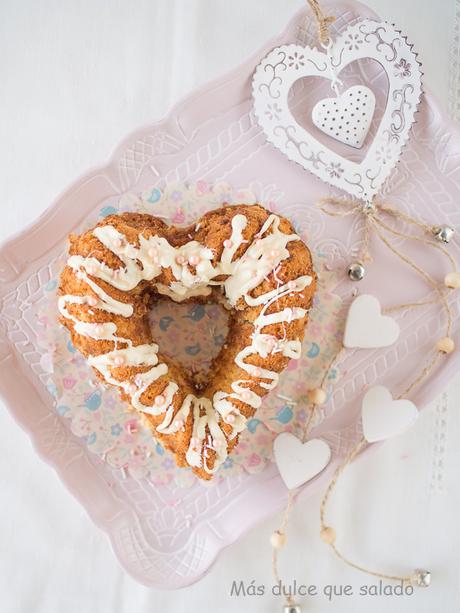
212, 135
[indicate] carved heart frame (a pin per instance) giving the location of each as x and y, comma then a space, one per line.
283, 66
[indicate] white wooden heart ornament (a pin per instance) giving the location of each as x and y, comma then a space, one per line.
384, 417
366, 327
299, 462
366, 39
348, 117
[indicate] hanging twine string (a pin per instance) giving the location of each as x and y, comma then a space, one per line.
340, 207
374, 219
374, 216
328, 533
323, 21
309, 423
280, 535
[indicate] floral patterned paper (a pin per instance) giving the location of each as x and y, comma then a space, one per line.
192, 334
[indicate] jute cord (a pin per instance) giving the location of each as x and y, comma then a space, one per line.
374, 222
323, 21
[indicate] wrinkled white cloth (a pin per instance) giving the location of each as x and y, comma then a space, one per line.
75, 78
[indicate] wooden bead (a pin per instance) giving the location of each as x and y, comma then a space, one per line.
452, 280
328, 535
278, 539
317, 396
445, 345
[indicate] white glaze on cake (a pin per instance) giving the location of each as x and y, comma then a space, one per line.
242, 275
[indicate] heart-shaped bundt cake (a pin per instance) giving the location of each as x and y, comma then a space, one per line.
241, 256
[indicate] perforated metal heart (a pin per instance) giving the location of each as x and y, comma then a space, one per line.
348, 117
282, 67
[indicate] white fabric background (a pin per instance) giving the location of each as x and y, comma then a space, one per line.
75, 77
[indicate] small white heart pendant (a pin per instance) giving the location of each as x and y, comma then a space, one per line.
348, 117
299, 462
366, 327
384, 417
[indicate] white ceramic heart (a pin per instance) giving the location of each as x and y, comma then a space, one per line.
299, 462
384, 417
285, 65
347, 117
366, 327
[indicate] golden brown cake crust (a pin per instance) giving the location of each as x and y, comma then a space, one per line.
212, 231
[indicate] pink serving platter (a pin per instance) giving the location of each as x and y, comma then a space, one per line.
213, 135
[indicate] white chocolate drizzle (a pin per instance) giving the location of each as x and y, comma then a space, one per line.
194, 275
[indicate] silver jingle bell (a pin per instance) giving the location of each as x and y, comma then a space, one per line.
443, 233
422, 577
356, 271
292, 608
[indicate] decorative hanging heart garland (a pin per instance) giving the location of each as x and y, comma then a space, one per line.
347, 117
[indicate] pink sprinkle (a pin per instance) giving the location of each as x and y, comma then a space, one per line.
194, 260
256, 372
246, 395
132, 388
180, 260
274, 253
99, 329
292, 285
152, 252
119, 360
178, 423
159, 400
92, 301
230, 418
228, 243
118, 242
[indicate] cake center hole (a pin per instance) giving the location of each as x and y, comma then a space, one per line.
191, 334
